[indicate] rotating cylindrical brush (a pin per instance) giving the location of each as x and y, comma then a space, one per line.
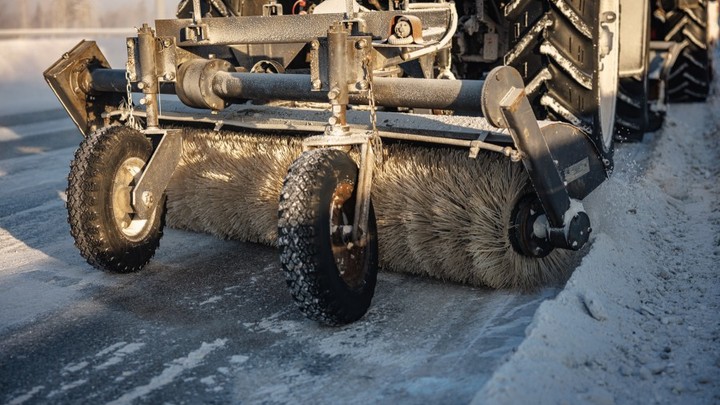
439, 213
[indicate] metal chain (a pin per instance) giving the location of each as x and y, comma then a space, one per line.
129, 109
375, 140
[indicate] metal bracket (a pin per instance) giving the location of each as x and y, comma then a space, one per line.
506, 105
271, 9
363, 189
157, 172
195, 33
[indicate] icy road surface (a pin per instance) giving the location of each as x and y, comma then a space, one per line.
211, 320
208, 320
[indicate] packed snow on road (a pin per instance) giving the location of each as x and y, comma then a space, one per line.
210, 320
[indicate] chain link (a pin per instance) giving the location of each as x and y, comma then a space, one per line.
375, 141
128, 108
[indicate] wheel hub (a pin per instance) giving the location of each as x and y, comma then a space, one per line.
349, 257
527, 212
126, 177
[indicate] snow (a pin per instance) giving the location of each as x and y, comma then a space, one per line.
637, 322
171, 372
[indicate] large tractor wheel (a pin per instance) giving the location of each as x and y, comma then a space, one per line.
633, 111
106, 167
331, 279
691, 75
568, 57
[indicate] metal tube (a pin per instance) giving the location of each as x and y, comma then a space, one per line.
338, 77
459, 95
148, 77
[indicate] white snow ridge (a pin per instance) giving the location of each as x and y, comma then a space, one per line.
637, 322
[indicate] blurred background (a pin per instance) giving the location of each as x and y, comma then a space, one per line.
35, 33
34, 14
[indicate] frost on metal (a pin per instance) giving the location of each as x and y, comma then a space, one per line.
537, 81
528, 39
695, 40
574, 19
680, 25
629, 100
691, 13
557, 108
579, 76
512, 7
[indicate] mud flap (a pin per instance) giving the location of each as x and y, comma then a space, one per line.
70, 80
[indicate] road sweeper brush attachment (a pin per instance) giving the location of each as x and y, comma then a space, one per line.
428, 202
489, 201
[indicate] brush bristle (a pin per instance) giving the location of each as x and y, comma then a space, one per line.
228, 184
439, 213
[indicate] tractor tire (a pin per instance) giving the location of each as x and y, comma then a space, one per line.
632, 109
690, 77
331, 280
556, 47
106, 166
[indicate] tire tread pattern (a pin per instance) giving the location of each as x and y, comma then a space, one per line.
691, 75
301, 242
97, 239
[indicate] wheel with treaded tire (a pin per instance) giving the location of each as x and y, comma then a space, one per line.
690, 76
556, 46
106, 230
633, 111
331, 279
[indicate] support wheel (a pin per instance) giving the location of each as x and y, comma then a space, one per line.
102, 221
331, 279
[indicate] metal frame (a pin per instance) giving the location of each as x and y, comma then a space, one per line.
343, 59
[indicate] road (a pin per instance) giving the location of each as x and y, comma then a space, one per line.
210, 320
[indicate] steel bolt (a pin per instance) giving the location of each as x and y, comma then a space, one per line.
361, 44
130, 43
333, 94
317, 84
363, 85
169, 76
402, 29
141, 85
315, 44
148, 198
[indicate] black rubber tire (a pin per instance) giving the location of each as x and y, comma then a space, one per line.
632, 115
304, 238
543, 39
691, 75
90, 204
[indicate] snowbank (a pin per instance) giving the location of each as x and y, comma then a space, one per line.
638, 320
